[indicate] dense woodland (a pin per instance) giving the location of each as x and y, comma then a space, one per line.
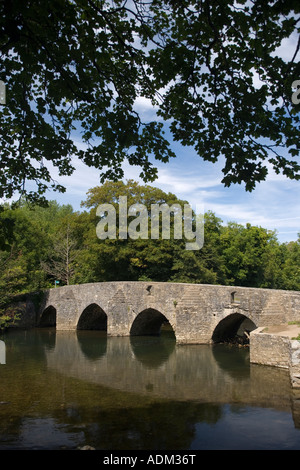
41, 245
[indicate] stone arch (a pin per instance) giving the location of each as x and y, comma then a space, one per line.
48, 317
93, 317
148, 323
235, 324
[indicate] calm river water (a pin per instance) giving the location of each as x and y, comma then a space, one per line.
65, 390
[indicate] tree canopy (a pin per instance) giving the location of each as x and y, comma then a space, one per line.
74, 69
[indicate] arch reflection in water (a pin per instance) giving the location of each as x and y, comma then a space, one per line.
93, 344
46, 337
232, 360
153, 351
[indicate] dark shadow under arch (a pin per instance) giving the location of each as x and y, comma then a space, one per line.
149, 323
92, 318
48, 317
232, 326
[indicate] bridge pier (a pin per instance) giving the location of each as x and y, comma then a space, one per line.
117, 323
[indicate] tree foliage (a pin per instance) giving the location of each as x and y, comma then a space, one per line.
51, 244
212, 69
60, 264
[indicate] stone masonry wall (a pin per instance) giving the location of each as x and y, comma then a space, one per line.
277, 351
295, 364
269, 349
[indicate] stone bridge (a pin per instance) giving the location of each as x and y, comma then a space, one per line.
197, 313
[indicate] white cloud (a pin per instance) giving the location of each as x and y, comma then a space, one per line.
287, 48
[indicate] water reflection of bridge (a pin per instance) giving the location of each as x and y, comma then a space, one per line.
199, 373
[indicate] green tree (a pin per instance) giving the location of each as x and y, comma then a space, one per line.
245, 251
291, 266
273, 260
16, 270
23, 248
60, 264
26, 241
120, 259
211, 254
211, 69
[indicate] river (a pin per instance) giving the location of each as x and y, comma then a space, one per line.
66, 390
